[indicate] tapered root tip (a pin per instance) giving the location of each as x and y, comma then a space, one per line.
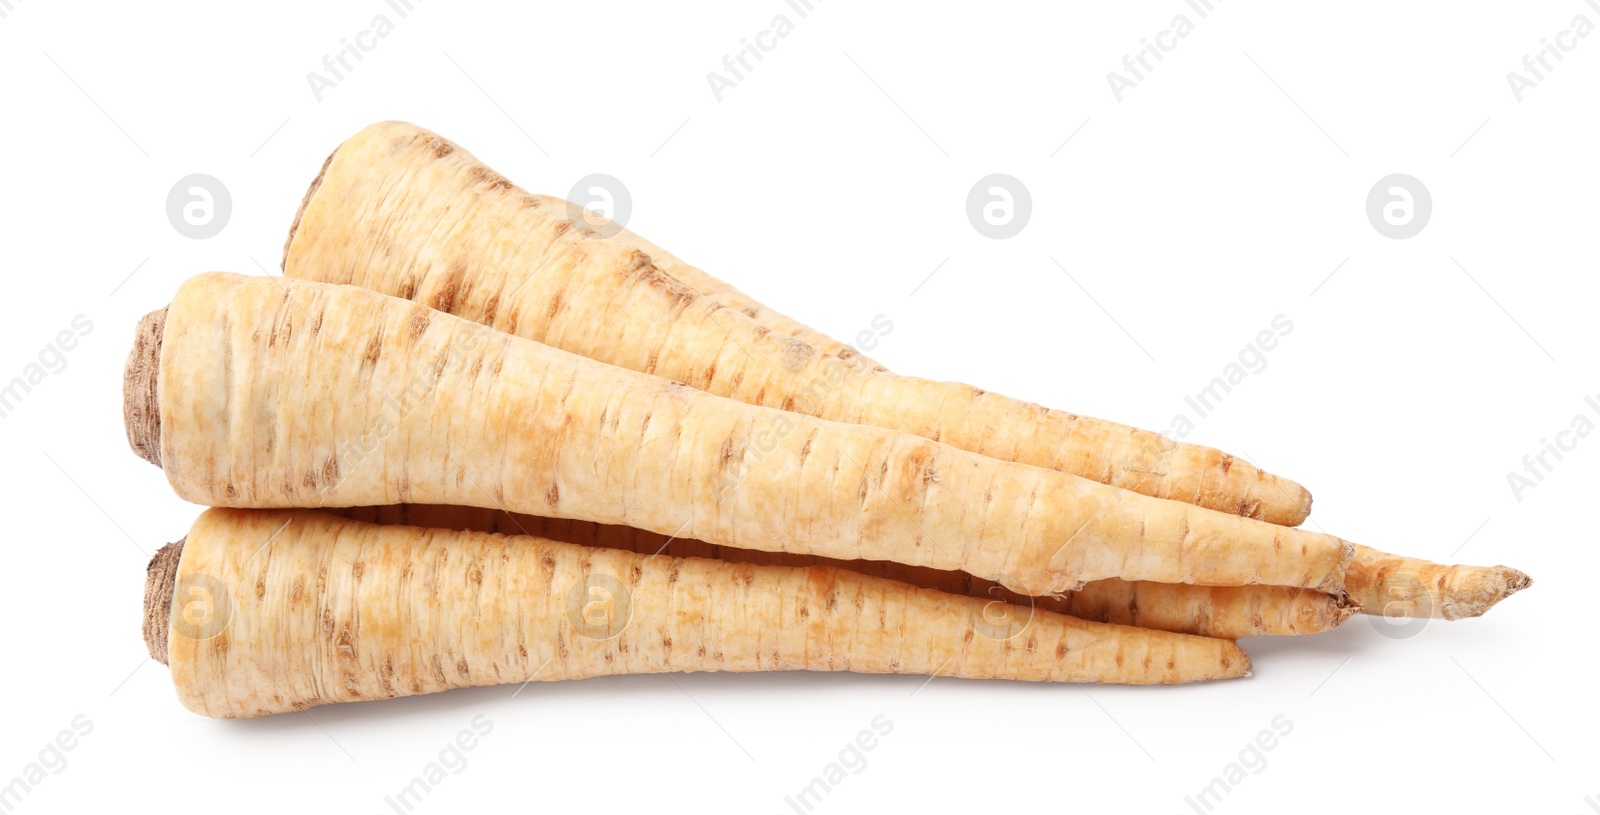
1515, 581
1303, 510
160, 580
141, 408
1194, 659
1241, 666
1291, 505
1496, 584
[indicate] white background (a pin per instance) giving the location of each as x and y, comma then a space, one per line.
1223, 190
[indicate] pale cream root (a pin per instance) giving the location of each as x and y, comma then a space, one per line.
405, 212
290, 609
1229, 612
291, 393
1397, 586
704, 284
1377, 581
707, 351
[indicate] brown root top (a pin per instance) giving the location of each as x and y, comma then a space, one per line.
141, 409
160, 580
1344, 608
294, 228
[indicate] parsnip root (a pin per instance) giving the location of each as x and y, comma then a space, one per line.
508, 257
290, 394
278, 611
403, 211
1229, 612
722, 293
1397, 586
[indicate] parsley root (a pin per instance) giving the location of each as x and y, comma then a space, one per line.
517, 262
287, 393
403, 211
1229, 612
259, 612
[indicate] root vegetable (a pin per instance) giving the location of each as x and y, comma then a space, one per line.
289, 393
1397, 586
1378, 582
720, 292
692, 343
1229, 612
259, 612
405, 212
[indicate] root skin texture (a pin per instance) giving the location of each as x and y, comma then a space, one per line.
1410, 587
300, 608
140, 415
713, 289
297, 394
159, 581
1229, 612
405, 212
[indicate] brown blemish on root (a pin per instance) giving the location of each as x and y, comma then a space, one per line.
445, 298
373, 350
160, 580
141, 407
493, 181
419, 323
